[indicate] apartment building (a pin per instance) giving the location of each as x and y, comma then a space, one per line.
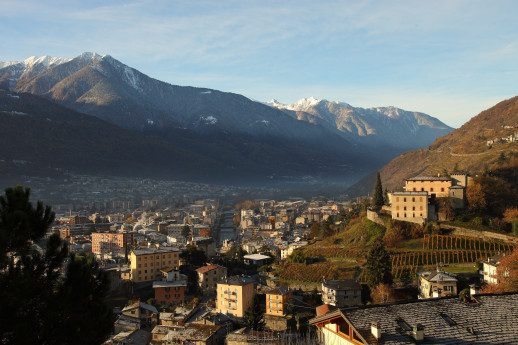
111, 242
146, 264
435, 186
208, 277
277, 301
412, 207
234, 295
341, 293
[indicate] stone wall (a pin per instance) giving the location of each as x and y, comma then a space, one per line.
484, 235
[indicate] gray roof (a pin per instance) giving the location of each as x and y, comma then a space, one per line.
345, 284
160, 284
146, 251
429, 178
438, 276
236, 280
446, 320
411, 193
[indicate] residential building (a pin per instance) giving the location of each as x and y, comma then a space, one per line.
435, 186
170, 292
277, 301
111, 242
146, 264
208, 277
145, 314
489, 269
485, 319
412, 207
341, 293
436, 283
234, 295
190, 334
207, 244
256, 259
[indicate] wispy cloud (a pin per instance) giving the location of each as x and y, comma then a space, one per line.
417, 53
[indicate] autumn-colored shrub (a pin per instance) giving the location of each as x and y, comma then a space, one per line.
383, 293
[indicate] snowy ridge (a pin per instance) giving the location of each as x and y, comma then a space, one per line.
46, 61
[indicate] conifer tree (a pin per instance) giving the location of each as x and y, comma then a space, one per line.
254, 315
40, 305
378, 266
377, 199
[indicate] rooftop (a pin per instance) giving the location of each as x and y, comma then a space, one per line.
161, 284
256, 257
237, 280
429, 178
345, 284
207, 268
490, 319
147, 251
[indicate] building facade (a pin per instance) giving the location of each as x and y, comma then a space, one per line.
234, 295
208, 277
169, 292
341, 293
111, 243
277, 301
436, 283
146, 264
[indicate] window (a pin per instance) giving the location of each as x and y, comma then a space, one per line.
413, 199
397, 207
442, 189
422, 189
397, 198
431, 189
404, 208
413, 208
405, 215
414, 189
167, 288
404, 199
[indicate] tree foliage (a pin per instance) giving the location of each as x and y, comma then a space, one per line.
382, 293
194, 256
377, 199
40, 304
378, 268
507, 275
253, 317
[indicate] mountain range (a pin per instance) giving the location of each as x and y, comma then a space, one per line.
388, 127
315, 140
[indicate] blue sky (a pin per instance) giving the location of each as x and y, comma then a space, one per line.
450, 59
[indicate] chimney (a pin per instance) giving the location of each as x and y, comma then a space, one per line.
376, 330
418, 332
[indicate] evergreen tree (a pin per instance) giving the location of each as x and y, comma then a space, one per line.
378, 266
40, 305
377, 199
253, 317
186, 231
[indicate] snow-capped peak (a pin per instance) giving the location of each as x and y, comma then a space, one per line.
275, 103
45, 60
304, 103
89, 56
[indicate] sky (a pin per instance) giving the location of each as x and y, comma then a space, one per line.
450, 59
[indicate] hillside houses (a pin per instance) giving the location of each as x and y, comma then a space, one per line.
418, 202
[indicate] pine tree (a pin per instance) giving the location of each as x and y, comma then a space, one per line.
59, 309
377, 199
378, 266
253, 317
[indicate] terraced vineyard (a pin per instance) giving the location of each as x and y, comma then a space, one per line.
447, 250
